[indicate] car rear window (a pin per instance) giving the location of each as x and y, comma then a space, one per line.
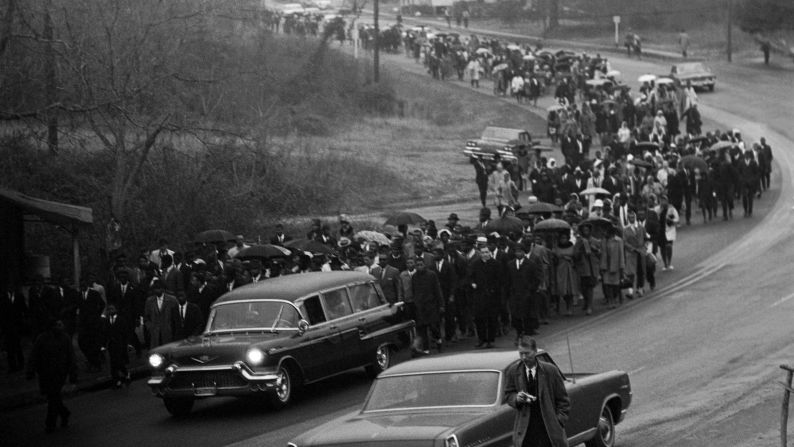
428, 390
364, 297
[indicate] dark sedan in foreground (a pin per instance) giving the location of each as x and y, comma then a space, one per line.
272, 337
458, 400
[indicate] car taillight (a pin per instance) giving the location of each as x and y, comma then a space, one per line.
451, 441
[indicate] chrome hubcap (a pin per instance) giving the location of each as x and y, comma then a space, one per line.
382, 356
282, 386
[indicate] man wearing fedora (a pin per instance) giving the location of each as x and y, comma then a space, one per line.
537, 392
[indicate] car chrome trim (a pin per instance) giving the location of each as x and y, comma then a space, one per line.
440, 407
239, 367
582, 437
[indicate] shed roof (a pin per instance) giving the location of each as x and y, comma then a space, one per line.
54, 212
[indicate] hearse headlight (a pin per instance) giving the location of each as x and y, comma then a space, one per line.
451, 441
156, 361
255, 356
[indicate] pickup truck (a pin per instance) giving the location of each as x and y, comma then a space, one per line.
500, 143
459, 400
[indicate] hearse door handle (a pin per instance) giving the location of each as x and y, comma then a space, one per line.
362, 318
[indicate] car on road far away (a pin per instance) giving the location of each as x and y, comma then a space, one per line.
269, 338
697, 73
459, 400
499, 143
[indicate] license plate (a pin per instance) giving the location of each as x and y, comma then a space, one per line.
208, 391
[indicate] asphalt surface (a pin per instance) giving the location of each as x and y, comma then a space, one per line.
702, 351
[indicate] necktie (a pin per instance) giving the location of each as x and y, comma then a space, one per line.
383, 273
113, 320
182, 311
159, 303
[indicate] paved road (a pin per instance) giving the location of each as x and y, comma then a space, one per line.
702, 352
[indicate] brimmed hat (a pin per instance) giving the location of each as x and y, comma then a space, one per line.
343, 241
453, 216
598, 203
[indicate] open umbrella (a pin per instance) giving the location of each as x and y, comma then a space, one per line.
404, 218
505, 225
309, 245
541, 208
597, 82
513, 47
500, 67
699, 139
597, 222
372, 236
555, 107
693, 161
266, 251
529, 57
641, 163
483, 51
646, 78
613, 74
664, 81
595, 191
719, 145
647, 146
552, 225
542, 148
214, 236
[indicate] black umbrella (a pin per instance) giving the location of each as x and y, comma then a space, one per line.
266, 251
505, 225
214, 236
597, 222
641, 163
552, 225
541, 208
404, 218
647, 145
693, 161
699, 139
309, 245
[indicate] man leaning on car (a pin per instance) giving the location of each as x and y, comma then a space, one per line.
537, 391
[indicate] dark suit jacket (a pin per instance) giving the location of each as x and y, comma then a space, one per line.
553, 399
485, 275
427, 296
521, 285
749, 174
116, 338
89, 311
447, 277
389, 282
130, 304
192, 324
174, 281
203, 299
275, 240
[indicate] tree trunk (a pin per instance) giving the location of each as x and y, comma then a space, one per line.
51, 84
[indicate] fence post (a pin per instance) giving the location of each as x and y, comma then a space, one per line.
784, 409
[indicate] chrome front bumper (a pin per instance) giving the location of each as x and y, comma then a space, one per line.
204, 381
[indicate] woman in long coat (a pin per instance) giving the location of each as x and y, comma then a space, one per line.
613, 265
566, 280
587, 265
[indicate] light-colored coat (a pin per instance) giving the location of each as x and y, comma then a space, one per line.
554, 402
613, 260
634, 244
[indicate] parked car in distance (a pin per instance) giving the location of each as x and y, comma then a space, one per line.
272, 337
459, 400
290, 8
499, 143
697, 73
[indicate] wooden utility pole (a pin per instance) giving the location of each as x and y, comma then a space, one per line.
376, 58
729, 31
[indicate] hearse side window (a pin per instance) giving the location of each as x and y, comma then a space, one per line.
336, 304
364, 297
313, 310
